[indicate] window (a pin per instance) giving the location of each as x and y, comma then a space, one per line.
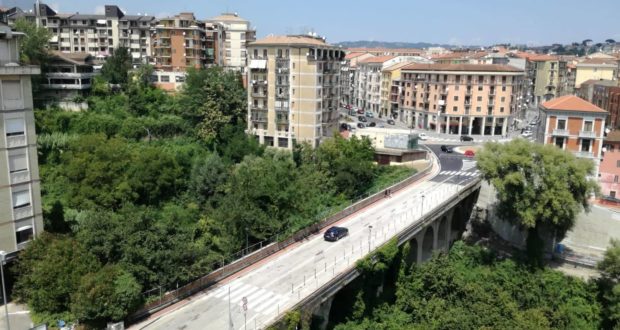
18, 163
615, 179
23, 234
559, 142
585, 145
588, 126
612, 194
503, 88
479, 98
561, 124
165, 78
456, 98
618, 163
455, 109
11, 91
456, 88
21, 199
480, 88
14, 126
478, 109
501, 109
503, 98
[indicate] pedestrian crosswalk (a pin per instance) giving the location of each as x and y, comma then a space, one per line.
259, 300
468, 164
460, 173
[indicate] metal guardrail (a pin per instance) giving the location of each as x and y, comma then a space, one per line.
263, 250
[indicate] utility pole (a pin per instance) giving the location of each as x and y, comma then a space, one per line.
369, 234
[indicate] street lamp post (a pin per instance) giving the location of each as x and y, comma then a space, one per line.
369, 234
247, 245
422, 208
4, 300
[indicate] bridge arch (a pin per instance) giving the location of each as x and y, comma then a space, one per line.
442, 233
428, 241
413, 254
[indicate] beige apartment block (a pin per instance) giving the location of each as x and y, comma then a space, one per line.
293, 86
348, 68
596, 69
550, 75
476, 99
20, 197
236, 34
390, 89
96, 34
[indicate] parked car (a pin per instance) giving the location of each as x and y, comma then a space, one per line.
361, 118
466, 138
526, 134
348, 107
391, 121
344, 127
360, 111
372, 124
422, 136
335, 233
469, 153
360, 125
533, 123
447, 149
369, 114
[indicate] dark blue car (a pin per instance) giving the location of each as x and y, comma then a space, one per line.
335, 233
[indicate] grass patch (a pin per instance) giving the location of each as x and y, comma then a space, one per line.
386, 176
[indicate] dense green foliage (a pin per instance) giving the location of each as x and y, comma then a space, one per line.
538, 186
470, 288
609, 285
33, 51
160, 188
116, 67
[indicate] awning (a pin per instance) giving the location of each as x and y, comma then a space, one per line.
101, 21
135, 55
258, 64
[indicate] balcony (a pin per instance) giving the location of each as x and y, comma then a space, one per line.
443, 92
468, 92
258, 108
259, 119
560, 132
16, 141
282, 120
282, 83
584, 154
67, 86
20, 176
22, 212
492, 93
587, 134
259, 95
284, 96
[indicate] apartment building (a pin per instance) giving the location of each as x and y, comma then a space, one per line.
596, 69
548, 77
20, 197
474, 99
575, 125
348, 67
604, 94
293, 89
390, 89
235, 36
181, 42
96, 34
68, 75
609, 178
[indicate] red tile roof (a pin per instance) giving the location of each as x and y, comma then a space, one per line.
462, 67
542, 58
353, 55
571, 103
377, 59
601, 61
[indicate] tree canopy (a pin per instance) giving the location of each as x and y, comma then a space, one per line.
537, 185
117, 66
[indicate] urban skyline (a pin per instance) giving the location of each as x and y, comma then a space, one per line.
457, 23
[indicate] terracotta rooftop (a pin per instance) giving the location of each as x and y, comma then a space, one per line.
613, 136
600, 61
600, 82
396, 66
353, 55
377, 59
290, 40
462, 67
571, 103
384, 50
542, 58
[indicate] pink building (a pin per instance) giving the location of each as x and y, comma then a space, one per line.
609, 178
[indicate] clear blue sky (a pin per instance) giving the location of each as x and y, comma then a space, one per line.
459, 22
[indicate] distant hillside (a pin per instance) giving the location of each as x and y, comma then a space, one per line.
387, 44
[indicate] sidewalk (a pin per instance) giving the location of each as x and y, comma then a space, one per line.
19, 317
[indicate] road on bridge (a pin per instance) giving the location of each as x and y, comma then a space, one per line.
258, 295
